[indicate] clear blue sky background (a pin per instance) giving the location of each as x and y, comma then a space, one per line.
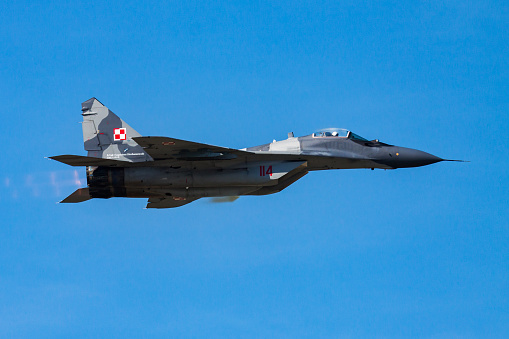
356, 253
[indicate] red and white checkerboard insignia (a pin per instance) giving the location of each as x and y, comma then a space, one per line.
119, 134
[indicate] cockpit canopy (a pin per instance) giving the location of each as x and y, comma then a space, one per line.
337, 133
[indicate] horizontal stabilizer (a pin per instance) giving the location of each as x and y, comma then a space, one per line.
78, 160
80, 195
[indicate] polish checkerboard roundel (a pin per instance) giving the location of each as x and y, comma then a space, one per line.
119, 134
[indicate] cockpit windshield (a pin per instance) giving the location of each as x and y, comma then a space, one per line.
354, 136
337, 133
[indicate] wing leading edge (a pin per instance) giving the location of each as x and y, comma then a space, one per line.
162, 148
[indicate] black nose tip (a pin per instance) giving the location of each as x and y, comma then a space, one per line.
400, 157
414, 158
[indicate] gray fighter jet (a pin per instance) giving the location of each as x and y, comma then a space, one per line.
172, 172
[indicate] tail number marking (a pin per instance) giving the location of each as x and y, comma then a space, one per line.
264, 172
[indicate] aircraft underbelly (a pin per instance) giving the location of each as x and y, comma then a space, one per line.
105, 182
259, 174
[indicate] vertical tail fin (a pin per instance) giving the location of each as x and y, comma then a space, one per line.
107, 136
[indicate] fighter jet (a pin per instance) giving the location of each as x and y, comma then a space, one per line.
172, 172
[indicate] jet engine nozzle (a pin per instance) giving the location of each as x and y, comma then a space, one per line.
106, 182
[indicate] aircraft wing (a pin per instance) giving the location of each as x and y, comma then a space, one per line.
161, 148
78, 160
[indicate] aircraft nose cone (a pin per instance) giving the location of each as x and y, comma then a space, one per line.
401, 157
408, 157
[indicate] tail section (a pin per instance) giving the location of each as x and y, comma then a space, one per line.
107, 136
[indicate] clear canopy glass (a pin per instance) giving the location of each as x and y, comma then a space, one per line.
337, 133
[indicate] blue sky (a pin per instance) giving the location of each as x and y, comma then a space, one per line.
356, 253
